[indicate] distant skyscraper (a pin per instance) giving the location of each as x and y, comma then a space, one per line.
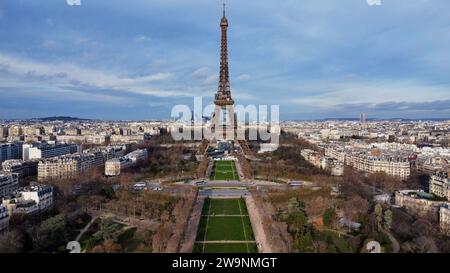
362, 119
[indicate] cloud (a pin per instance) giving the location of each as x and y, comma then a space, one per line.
201, 73
73, 75
211, 80
142, 38
299, 54
243, 77
58, 93
50, 44
371, 92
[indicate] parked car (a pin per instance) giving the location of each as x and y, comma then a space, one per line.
140, 186
200, 183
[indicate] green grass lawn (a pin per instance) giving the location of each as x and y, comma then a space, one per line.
226, 248
235, 227
225, 170
222, 228
224, 207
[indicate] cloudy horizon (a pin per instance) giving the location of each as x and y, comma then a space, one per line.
333, 59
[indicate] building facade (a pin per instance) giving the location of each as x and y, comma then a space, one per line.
48, 151
440, 185
9, 182
22, 168
4, 218
417, 202
67, 166
113, 167
32, 199
11, 150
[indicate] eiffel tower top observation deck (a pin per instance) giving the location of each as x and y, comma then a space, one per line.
223, 95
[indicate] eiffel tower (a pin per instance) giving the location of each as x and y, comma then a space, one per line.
223, 122
223, 126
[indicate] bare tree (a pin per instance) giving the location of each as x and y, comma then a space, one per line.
425, 244
12, 242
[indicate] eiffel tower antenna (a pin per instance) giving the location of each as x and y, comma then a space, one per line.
224, 5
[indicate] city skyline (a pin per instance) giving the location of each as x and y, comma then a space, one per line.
110, 61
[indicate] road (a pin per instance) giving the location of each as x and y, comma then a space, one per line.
235, 184
223, 193
225, 242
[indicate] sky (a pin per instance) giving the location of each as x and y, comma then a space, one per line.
136, 59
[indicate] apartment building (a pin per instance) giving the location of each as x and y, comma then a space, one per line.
44, 150
111, 151
418, 202
392, 165
4, 218
113, 167
312, 156
339, 154
3, 132
9, 182
32, 199
440, 185
66, 166
138, 155
92, 139
335, 166
22, 168
10, 150
15, 130
139, 138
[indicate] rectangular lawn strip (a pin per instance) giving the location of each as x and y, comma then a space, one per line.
225, 229
244, 210
206, 205
198, 248
228, 248
224, 207
225, 170
201, 232
248, 229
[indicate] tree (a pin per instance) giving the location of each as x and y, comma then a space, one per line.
161, 238
355, 207
425, 244
51, 234
388, 218
317, 206
329, 217
297, 222
107, 246
294, 205
12, 242
379, 214
126, 179
304, 243
422, 227
278, 214
401, 224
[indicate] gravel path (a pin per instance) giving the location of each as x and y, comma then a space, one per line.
191, 231
258, 229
